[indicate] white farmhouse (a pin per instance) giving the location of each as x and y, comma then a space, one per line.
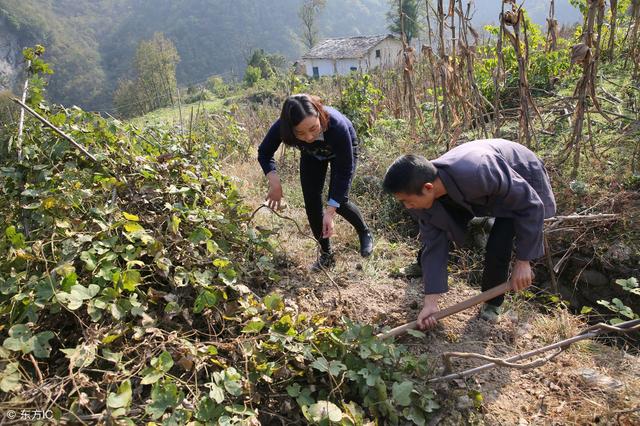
343, 55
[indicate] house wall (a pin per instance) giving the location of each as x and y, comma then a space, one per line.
325, 66
389, 56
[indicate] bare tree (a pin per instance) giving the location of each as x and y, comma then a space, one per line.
308, 14
612, 27
552, 28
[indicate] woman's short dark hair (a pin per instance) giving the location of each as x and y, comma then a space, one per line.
295, 109
408, 174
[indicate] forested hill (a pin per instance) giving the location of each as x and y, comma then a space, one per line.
91, 43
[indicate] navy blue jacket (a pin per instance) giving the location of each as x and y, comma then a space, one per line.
492, 177
339, 147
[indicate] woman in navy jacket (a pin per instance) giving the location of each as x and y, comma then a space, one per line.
324, 136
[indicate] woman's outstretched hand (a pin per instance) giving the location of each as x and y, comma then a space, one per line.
274, 196
327, 222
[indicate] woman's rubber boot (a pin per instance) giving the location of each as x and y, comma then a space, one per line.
325, 261
366, 243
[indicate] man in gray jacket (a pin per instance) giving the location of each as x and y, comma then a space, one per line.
492, 177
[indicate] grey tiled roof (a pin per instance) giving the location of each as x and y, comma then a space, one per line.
348, 47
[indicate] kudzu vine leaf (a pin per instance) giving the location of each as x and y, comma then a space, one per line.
122, 398
254, 326
401, 393
324, 410
10, 378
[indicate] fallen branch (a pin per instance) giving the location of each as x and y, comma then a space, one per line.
446, 359
600, 216
58, 131
625, 327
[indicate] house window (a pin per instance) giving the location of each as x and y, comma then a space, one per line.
316, 72
354, 68
377, 53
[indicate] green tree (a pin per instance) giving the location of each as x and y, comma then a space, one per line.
410, 11
155, 64
251, 75
269, 63
155, 83
128, 99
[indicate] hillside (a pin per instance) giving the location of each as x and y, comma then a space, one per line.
91, 43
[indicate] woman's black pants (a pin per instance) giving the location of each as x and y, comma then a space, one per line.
313, 173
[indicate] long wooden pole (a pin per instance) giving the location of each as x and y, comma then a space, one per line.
454, 309
21, 122
55, 129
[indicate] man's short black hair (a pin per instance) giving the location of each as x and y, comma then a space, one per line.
408, 174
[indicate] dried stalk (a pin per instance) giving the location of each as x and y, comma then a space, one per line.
585, 53
625, 327
515, 18
498, 78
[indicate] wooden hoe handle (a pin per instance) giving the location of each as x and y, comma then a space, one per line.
454, 309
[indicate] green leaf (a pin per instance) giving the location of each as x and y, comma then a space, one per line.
78, 295
206, 299
336, 367
402, 393
321, 364
293, 390
254, 326
164, 362
10, 378
324, 410
122, 398
164, 264
21, 340
228, 276
208, 411
151, 375
216, 393
273, 302
115, 357
89, 260
221, 263
199, 235
17, 238
81, 356
130, 279
586, 310
164, 395
416, 333
41, 346
212, 247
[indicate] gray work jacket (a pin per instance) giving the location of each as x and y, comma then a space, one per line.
491, 177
